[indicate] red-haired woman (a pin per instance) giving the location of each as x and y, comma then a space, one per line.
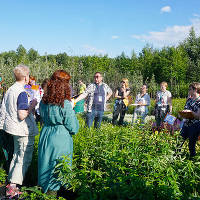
60, 123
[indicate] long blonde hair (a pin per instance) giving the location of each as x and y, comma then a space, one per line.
125, 80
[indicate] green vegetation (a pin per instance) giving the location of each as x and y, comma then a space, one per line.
179, 66
120, 162
130, 163
123, 163
3, 176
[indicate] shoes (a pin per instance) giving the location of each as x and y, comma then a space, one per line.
12, 191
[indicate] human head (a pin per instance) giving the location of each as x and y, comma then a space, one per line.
143, 89
80, 82
44, 84
58, 88
163, 86
125, 81
194, 87
98, 78
21, 73
32, 80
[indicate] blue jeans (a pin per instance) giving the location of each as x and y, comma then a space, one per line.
95, 116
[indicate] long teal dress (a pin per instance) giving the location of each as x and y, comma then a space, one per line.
55, 141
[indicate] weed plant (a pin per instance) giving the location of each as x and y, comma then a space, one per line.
130, 163
123, 162
3, 176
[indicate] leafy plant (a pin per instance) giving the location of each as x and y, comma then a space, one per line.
35, 193
3, 176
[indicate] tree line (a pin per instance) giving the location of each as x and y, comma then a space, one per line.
178, 65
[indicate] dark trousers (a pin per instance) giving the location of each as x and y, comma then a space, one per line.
191, 132
7, 145
160, 113
119, 109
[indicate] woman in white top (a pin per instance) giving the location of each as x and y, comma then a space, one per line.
143, 101
163, 103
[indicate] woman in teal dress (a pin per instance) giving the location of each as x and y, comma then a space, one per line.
60, 123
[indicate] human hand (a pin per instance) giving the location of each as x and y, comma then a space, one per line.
140, 103
123, 89
33, 103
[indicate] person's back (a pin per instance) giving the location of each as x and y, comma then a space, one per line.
16, 120
60, 123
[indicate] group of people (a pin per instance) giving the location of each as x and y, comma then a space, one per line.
18, 128
55, 104
142, 102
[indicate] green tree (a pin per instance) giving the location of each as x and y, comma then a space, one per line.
21, 54
62, 59
32, 55
192, 48
146, 58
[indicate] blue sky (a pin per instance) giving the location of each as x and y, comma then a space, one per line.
91, 27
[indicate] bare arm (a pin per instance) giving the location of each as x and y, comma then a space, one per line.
169, 100
80, 97
116, 94
108, 96
126, 93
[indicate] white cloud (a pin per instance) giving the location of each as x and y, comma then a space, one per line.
93, 50
196, 15
115, 37
165, 9
170, 36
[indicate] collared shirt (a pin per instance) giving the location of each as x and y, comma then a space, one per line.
144, 99
90, 90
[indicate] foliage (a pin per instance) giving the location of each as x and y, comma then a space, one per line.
3, 176
177, 105
35, 193
124, 163
130, 163
179, 66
